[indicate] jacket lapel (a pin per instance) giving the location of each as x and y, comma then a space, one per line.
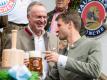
31, 38
46, 41
45, 36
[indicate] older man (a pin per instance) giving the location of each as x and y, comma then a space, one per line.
34, 37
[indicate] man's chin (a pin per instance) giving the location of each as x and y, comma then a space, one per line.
40, 29
61, 38
57, 34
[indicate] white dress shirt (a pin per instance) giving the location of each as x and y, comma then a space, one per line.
40, 46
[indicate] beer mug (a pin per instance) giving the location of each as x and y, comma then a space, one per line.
35, 61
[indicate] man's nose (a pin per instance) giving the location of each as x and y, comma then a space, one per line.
57, 30
42, 19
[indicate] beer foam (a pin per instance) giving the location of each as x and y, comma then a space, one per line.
35, 53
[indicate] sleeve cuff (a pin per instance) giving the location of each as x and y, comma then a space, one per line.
62, 61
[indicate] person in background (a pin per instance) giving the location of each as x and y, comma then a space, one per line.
34, 37
61, 6
82, 57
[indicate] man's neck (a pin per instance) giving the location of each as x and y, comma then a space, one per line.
73, 38
35, 32
38, 33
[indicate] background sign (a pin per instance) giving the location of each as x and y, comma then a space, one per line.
6, 6
93, 15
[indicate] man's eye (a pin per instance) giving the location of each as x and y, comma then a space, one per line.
58, 25
42, 16
45, 17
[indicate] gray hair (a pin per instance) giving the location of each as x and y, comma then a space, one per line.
32, 4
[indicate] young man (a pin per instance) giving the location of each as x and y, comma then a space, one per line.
81, 59
34, 37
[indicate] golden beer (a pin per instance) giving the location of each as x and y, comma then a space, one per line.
35, 63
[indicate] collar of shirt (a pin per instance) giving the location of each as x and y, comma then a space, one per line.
36, 35
77, 43
39, 41
40, 45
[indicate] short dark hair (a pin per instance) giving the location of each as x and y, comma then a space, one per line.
71, 16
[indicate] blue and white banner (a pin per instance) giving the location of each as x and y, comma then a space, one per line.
6, 6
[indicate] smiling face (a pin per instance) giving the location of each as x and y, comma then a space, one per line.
62, 29
37, 18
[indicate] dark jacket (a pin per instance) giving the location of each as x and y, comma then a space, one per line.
3, 21
50, 16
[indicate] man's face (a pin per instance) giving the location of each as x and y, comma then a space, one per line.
61, 4
37, 18
62, 29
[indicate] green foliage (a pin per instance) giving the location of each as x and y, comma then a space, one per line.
34, 76
5, 76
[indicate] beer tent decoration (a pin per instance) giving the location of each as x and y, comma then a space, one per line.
93, 14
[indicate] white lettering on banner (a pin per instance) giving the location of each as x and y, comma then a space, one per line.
6, 6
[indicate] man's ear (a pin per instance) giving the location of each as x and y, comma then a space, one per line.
70, 24
28, 16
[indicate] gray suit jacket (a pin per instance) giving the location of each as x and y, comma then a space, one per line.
25, 41
83, 63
